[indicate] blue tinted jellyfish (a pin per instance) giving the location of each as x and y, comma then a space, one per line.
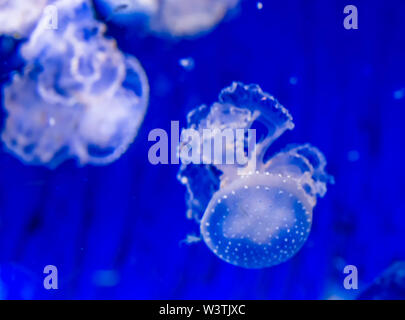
78, 95
177, 18
18, 17
253, 216
390, 285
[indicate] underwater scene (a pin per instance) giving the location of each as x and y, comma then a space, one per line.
202, 149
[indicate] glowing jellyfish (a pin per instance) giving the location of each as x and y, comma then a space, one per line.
78, 96
18, 17
253, 216
178, 18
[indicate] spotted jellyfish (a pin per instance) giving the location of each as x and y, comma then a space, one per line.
78, 95
259, 218
176, 18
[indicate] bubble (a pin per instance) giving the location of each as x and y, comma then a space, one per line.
106, 278
78, 96
353, 155
187, 63
254, 217
293, 80
399, 94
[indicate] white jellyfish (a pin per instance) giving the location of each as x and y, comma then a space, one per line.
178, 18
259, 215
18, 17
78, 96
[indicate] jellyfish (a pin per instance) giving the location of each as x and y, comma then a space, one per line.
177, 18
18, 17
255, 214
390, 285
78, 95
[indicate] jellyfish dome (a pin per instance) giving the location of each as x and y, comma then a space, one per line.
257, 214
78, 95
177, 18
18, 17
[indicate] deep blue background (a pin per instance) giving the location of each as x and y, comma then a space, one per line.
115, 231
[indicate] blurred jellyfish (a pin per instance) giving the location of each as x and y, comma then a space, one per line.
390, 285
78, 95
253, 216
18, 17
178, 18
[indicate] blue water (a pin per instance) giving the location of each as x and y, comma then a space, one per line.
115, 231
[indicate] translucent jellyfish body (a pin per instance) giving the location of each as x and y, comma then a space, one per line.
177, 18
18, 17
258, 214
78, 95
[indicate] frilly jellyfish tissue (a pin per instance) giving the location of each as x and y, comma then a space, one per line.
178, 18
78, 95
254, 218
18, 17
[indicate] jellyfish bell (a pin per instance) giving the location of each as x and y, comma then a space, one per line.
188, 18
175, 18
111, 122
135, 14
259, 218
122, 7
